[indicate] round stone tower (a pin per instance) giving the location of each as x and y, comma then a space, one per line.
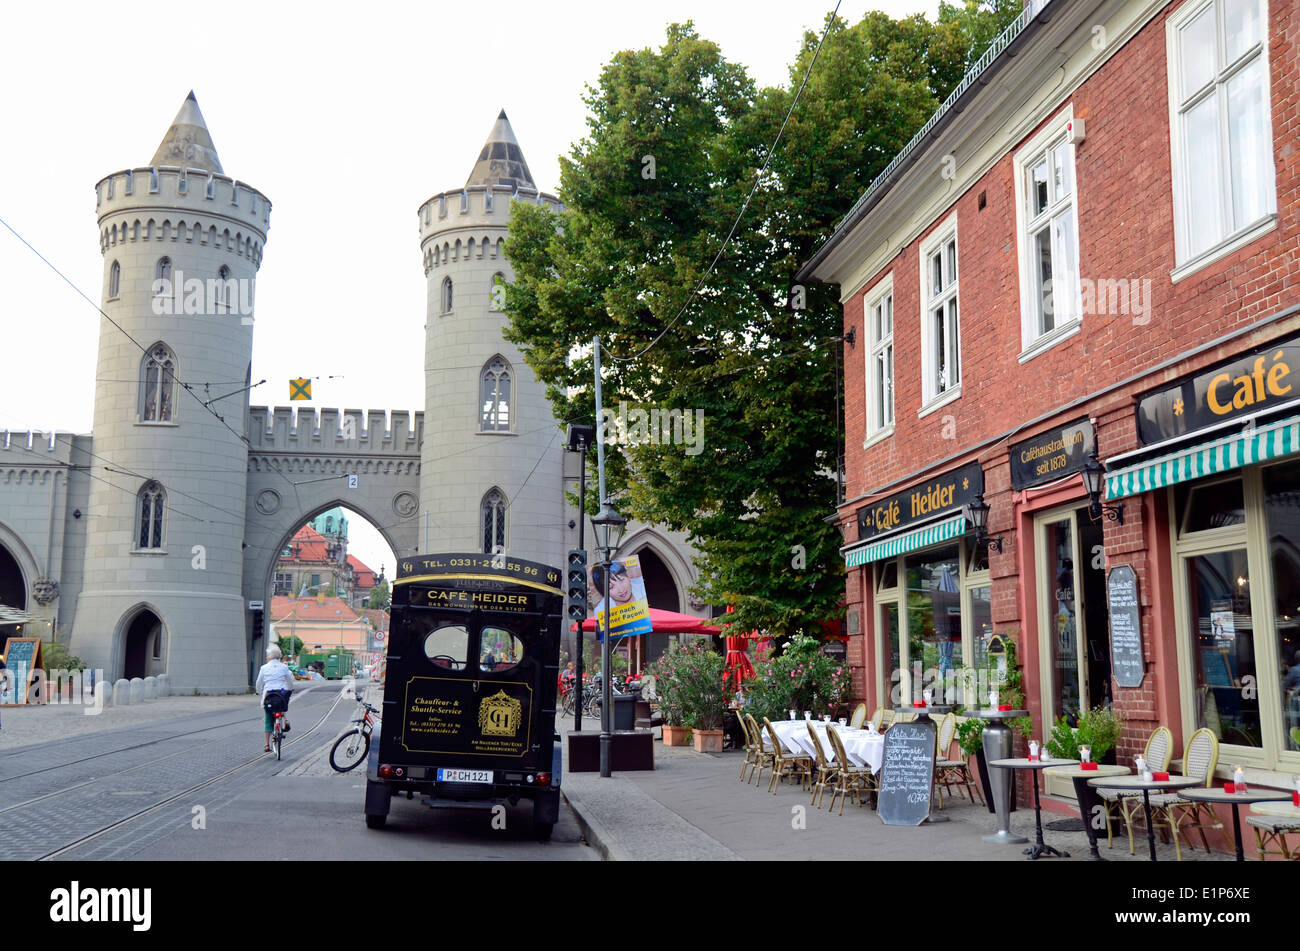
491, 464
182, 243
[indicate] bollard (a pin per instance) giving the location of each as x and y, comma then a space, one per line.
103, 694
121, 692
137, 690
164, 686
150, 688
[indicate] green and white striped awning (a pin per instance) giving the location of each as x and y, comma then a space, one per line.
1223, 455
931, 534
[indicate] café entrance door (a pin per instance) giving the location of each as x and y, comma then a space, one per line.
1073, 620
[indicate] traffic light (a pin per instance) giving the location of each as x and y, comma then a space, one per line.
577, 575
257, 625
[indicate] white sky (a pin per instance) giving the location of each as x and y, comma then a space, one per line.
347, 117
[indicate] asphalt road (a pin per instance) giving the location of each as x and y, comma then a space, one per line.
199, 787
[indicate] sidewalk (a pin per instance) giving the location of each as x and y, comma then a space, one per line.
693, 807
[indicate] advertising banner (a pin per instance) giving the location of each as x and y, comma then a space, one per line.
630, 614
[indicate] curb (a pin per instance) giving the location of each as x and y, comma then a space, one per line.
597, 836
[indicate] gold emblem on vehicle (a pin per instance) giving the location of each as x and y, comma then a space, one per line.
499, 715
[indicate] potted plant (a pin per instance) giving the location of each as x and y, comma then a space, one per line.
668, 688
1098, 728
699, 676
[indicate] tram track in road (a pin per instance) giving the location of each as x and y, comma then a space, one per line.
306, 736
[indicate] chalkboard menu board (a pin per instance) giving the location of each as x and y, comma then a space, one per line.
906, 774
22, 656
1125, 627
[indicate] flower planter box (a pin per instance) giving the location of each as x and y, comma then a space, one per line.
708, 741
676, 735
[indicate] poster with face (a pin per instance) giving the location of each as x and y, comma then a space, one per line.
630, 612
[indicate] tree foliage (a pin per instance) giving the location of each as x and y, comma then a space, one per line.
676, 138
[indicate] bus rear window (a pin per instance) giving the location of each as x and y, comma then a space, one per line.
448, 646
499, 650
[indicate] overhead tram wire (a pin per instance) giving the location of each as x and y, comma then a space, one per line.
185, 386
758, 179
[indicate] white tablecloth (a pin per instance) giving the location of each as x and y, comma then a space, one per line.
864, 747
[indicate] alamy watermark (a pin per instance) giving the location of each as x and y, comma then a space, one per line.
658, 427
86, 688
200, 298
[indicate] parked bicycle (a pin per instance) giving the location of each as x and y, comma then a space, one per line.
351, 749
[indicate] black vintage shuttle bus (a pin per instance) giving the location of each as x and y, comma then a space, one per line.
469, 696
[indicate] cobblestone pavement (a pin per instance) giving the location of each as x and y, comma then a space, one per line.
130, 792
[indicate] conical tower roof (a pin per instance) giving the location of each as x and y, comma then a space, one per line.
188, 143
501, 162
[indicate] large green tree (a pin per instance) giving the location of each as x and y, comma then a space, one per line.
676, 140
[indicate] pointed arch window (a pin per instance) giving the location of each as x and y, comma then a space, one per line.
224, 287
446, 295
152, 500
495, 396
492, 516
158, 385
497, 293
114, 280
163, 272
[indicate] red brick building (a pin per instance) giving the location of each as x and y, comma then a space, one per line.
1093, 247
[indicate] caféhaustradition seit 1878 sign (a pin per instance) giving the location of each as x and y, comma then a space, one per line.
1052, 455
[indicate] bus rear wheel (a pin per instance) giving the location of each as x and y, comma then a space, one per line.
375, 822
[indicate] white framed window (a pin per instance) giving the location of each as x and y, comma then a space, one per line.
879, 311
157, 385
940, 323
1220, 125
1047, 227
151, 501
114, 280
492, 511
494, 384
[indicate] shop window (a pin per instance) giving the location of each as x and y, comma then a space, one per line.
1282, 514
1063, 619
1209, 506
1224, 646
448, 646
1220, 127
981, 626
934, 610
895, 684
886, 575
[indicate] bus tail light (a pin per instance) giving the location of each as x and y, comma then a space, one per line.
543, 779
386, 771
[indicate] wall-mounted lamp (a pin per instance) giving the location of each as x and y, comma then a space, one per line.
851, 337
1094, 474
977, 511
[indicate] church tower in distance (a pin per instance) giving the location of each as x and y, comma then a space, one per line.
182, 244
491, 475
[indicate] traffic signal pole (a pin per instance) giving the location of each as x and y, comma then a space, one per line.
581, 642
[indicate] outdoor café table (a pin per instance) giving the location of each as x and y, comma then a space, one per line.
1087, 798
1039, 847
864, 747
997, 745
1220, 796
1132, 783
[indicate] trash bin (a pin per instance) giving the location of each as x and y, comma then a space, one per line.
624, 711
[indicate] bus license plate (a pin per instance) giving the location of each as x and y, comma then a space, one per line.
465, 776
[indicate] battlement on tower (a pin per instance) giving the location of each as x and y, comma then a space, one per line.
471, 222
169, 203
290, 429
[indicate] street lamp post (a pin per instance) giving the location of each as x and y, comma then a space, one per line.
605, 524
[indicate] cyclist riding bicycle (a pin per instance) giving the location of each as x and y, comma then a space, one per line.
275, 683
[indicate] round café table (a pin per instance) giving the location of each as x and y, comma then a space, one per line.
1086, 797
1236, 800
1039, 848
1132, 783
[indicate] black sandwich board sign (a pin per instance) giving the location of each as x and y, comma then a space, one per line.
906, 774
1125, 626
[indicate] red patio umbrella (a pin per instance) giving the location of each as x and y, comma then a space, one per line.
669, 622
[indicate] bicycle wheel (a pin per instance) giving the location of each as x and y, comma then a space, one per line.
349, 751
277, 738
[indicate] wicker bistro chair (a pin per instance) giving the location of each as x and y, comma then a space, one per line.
764, 757
1119, 804
859, 717
786, 764
878, 718
952, 772
1273, 830
753, 748
827, 772
886, 720
1199, 760
850, 780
